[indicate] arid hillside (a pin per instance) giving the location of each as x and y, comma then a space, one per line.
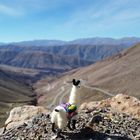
13, 90
24, 75
119, 74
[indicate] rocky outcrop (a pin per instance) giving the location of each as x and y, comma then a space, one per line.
96, 121
20, 115
120, 103
90, 106
126, 104
101, 124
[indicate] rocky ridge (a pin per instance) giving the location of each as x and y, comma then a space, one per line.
96, 125
102, 122
120, 103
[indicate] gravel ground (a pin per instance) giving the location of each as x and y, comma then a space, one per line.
101, 124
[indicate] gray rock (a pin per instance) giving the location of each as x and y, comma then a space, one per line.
96, 125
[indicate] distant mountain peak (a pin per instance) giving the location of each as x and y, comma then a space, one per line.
80, 41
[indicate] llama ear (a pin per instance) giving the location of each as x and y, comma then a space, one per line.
74, 82
78, 82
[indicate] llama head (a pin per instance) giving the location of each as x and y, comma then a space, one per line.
77, 90
76, 83
79, 85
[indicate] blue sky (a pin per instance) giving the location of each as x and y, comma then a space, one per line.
68, 19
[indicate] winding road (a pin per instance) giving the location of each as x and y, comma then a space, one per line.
101, 90
59, 98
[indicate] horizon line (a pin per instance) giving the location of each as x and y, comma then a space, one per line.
65, 40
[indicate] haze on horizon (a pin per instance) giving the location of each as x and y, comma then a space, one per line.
68, 19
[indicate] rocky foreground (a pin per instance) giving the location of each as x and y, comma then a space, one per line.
102, 122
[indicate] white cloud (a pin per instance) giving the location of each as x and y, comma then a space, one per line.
110, 12
26, 7
97, 18
7, 10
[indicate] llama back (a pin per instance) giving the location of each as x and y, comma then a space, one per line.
59, 118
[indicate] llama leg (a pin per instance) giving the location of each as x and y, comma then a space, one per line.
59, 132
69, 122
53, 127
74, 118
73, 124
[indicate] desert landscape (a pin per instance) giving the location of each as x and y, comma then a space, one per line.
100, 80
69, 70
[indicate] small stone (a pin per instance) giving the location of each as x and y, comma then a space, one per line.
96, 119
2, 130
54, 137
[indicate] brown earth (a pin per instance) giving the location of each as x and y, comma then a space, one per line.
119, 74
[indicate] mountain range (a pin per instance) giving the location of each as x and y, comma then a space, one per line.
24, 63
117, 74
56, 56
40, 60
127, 41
